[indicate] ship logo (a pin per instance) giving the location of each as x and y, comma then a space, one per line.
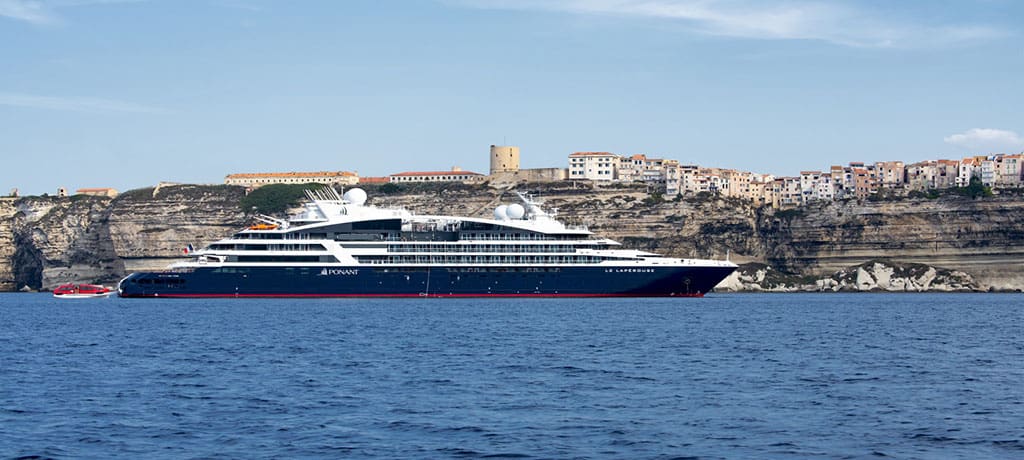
338, 272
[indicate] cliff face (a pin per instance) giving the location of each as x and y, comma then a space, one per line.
150, 228
983, 237
7, 247
46, 241
870, 276
58, 240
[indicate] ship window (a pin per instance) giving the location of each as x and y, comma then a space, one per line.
387, 224
279, 258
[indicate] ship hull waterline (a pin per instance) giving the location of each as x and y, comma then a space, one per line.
436, 281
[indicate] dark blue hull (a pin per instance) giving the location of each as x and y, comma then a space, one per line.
423, 282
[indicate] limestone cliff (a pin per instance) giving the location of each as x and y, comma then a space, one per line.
58, 240
982, 237
870, 276
8, 209
150, 228
45, 241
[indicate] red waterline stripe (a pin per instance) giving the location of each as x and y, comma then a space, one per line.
406, 296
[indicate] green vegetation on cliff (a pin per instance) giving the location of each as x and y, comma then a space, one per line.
392, 188
974, 190
275, 198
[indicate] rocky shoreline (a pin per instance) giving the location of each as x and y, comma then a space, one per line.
872, 276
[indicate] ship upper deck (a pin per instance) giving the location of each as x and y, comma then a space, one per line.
327, 214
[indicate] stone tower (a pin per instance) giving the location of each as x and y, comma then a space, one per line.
504, 159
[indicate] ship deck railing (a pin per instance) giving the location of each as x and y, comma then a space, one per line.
446, 249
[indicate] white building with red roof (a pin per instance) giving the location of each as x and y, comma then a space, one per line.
455, 175
319, 177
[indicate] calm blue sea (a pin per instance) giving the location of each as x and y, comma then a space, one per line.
727, 376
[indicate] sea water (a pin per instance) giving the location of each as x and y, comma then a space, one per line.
726, 376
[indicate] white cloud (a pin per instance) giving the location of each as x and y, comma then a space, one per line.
987, 140
793, 20
34, 12
74, 104
43, 12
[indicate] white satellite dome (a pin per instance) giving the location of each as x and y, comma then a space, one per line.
356, 196
501, 212
515, 211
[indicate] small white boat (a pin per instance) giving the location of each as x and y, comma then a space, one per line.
81, 291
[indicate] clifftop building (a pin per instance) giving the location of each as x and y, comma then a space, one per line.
505, 168
319, 177
455, 175
107, 192
598, 166
374, 180
504, 158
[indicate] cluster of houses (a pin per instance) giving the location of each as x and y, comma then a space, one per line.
857, 180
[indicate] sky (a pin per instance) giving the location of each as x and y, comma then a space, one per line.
129, 93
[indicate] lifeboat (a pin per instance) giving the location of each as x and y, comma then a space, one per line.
262, 227
81, 291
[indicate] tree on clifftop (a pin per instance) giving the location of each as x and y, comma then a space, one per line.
975, 189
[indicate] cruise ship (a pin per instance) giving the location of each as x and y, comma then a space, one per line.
338, 246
